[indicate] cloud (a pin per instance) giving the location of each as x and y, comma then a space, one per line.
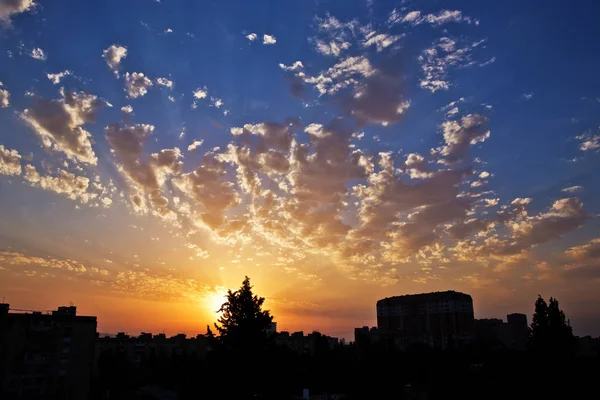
59, 123
415, 18
585, 252
269, 39
333, 35
127, 109
340, 75
216, 102
4, 97
200, 93
572, 189
378, 99
145, 176
14, 258
296, 66
380, 40
73, 186
56, 78
168, 30
211, 193
195, 145
331, 48
589, 141
8, 8
438, 60
38, 54
113, 56
460, 135
136, 84
10, 161
527, 96
164, 82
251, 37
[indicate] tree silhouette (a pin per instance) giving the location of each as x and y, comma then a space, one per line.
550, 331
243, 323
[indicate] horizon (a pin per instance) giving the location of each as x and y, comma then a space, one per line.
153, 153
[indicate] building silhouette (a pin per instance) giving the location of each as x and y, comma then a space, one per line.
438, 319
137, 349
494, 333
46, 355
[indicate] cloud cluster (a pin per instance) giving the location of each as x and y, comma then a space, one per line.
56, 78
415, 18
14, 258
164, 82
136, 84
589, 141
59, 123
113, 56
269, 39
38, 54
145, 177
445, 54
8, 8
4, 97
10, 161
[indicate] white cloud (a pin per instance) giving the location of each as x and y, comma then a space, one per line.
269, 39
216, 102
168, 30
200, 93
8, 8
73, 186
56, 78
252, 37
4, 97
572, 189
443, 17
113, 56
295, 66
10, 161
527, 96
165, 82
589, 142
127, 109
136, 84
59, 123
331, 48
380, 40
38, 54
195, 145
445, 54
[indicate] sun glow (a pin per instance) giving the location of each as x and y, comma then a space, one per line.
214, 300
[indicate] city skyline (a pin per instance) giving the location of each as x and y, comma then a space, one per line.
154, 153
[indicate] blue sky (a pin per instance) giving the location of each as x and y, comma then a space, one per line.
381, 146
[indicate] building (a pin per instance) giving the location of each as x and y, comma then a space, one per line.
46, 354
311, 344
439, 319
494, 333
139, 348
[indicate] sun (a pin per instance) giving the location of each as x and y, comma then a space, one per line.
214, 300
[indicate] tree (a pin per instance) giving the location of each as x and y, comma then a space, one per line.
243, 323
550, 331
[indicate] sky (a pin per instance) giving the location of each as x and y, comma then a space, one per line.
153, 153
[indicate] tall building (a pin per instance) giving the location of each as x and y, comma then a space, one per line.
439, 319
46, 355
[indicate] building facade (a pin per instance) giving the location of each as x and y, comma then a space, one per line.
439, 319
46, 355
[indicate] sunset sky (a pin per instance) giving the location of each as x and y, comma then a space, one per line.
154, 152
